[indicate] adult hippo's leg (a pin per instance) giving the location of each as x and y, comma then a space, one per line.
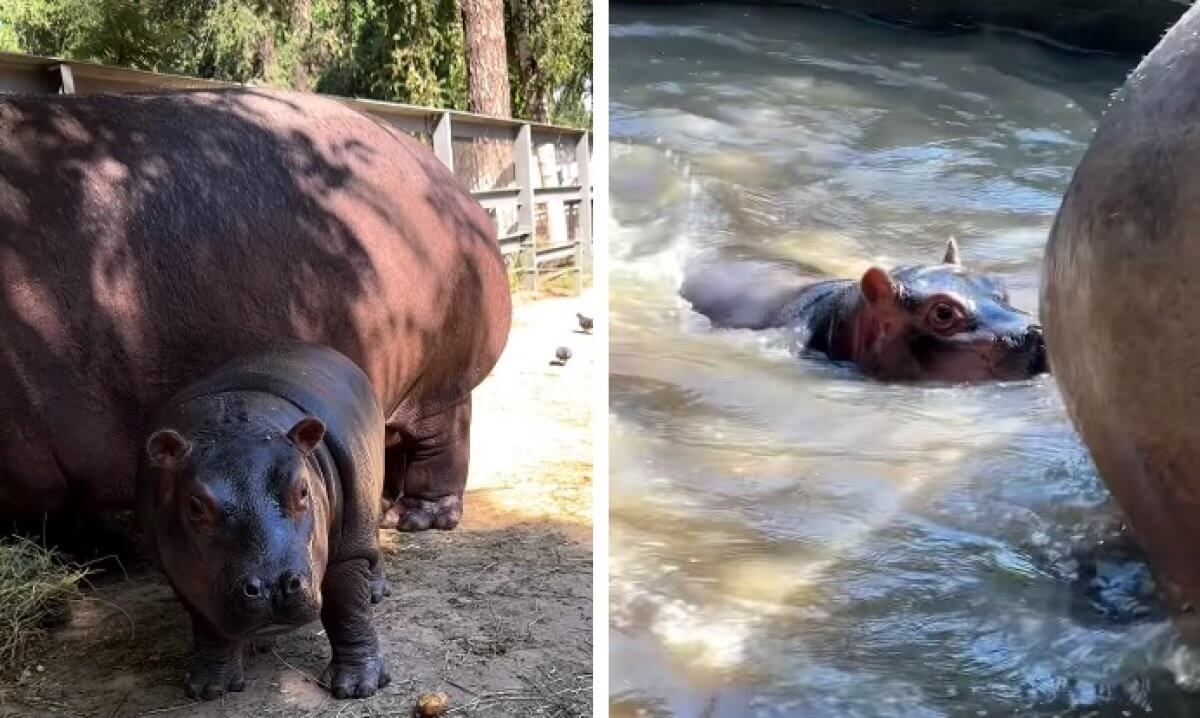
427, 471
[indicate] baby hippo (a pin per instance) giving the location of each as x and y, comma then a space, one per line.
258, 491
935, 322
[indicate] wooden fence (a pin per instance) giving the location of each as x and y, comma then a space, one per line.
541, 201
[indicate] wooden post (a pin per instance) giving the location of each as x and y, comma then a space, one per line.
583, 160
443, 142
66, 79
525, 216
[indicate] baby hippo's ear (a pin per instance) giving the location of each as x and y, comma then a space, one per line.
167, 448
307, 433
951, 253
878, 288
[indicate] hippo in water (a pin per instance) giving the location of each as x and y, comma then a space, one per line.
147, 238
939, 322
1119, 294
258, 490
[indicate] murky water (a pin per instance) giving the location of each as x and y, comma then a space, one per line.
788, 538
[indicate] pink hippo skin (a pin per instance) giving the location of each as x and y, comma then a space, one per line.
147, 238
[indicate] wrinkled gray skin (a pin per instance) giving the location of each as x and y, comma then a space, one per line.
1119, 297
258, 492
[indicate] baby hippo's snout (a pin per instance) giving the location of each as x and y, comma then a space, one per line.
286, 599
289, 584
1020, 352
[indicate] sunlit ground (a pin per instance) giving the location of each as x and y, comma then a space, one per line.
531, 434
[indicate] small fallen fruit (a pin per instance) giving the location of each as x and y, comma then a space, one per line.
432, 704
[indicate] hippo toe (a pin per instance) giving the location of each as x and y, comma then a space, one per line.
413, 514
209, 681
355, 678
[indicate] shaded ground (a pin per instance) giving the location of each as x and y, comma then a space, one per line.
497, 613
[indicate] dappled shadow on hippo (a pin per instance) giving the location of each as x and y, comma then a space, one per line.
939, 322
258, 494
147, 238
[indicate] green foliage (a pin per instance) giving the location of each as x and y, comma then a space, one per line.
402, 50
405, 51
550, 58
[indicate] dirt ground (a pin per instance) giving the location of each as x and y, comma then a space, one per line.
497, 613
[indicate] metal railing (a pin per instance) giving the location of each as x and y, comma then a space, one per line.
551, 164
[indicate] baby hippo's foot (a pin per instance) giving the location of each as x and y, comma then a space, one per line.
359, 678
211, 680
413, 514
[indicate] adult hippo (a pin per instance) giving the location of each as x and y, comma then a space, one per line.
936, 322
1119, 294
147, 238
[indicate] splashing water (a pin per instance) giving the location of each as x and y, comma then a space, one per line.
788, 538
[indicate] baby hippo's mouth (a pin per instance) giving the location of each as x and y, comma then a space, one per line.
271, 607
275, 622
1031, 351
276, 628
1039, 364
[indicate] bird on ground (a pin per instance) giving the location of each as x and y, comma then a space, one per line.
585, 323
561, 355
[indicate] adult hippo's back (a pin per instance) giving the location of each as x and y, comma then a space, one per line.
1119, 300
147, 238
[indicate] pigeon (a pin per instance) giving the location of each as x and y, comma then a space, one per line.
561, 355
585, 323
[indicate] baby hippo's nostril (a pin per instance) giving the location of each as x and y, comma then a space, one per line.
291, 583
253, 587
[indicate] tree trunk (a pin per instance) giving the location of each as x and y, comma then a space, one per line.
302, 30
487, 58
485, 163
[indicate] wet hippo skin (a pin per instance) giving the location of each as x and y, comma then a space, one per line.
147, 238
1119, 293
258, 493
938, 322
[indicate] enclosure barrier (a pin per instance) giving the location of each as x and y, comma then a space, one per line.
543, 166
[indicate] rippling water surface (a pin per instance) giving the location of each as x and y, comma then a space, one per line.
788, 538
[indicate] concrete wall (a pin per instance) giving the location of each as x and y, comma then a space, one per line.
1124, 27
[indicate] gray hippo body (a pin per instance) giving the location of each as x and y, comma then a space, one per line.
147, 238
258, 494
939, 322
1119, 295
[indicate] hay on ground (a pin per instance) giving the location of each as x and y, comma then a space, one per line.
36, 588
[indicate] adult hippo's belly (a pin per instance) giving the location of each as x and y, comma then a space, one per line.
1119, 299
147, 238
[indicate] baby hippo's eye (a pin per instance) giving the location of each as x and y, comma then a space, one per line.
195, 507
294, 495
945, 316
200, 511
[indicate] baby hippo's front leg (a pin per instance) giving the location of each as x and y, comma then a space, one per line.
356, 669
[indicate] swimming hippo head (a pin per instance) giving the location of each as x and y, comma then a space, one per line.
944, 322
240, 511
